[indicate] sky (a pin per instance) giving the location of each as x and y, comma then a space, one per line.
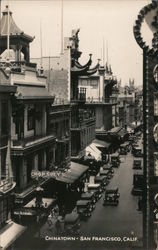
104, 24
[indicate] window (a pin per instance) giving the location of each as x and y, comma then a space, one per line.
31, 118
155, 105
155, 132
4, 118
3, 212
155, 73
3, 163
156, 164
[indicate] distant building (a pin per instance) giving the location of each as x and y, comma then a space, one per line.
62, 80
99, 95
32, 146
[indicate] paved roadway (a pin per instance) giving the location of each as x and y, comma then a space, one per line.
118, 220
106, 221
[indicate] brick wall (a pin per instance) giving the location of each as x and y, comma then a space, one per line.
57, 83
4, 79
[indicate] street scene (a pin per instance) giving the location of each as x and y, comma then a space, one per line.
76, 168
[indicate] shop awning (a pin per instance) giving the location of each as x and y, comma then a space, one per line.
101, 144
12, 232
122, 133
48, 201
114, 130
92, 150
75, 171
33, 93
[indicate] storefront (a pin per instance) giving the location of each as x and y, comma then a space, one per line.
70, 185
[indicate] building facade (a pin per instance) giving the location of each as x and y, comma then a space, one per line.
99, 96
62, 79
32, 147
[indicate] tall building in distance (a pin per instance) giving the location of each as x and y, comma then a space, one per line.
63, 74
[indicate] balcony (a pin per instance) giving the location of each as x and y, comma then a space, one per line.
6, 185
109, 101
26, 144
81, 96
17, 66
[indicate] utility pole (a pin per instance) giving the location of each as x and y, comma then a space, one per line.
62, 49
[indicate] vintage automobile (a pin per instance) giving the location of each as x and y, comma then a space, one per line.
137, 163
96, 189
106, 173
108, 167
124, 148
102, 180
84, 208
137, 151
115, 160
111, 196
90, 197
132, 139
94, 165
71, 224
138, 181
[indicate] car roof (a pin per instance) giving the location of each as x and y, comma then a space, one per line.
93, 185
82, 202
100, 177
72, 217
111, 188
104, 171
87, 194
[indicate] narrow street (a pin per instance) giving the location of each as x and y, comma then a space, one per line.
121, 221
118, 220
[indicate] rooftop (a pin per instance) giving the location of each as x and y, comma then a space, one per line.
14, 30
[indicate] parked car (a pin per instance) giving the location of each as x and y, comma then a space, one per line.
109, 168
96, 189
106, 173
124, 148
138, 181
111, 196
72, 224
132, 139
137, 164
102, 180
115, 160
84, 208
137, 151
90, 197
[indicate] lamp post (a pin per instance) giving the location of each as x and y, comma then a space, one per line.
149, 13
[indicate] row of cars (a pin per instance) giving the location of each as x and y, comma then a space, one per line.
87, 202
137, 165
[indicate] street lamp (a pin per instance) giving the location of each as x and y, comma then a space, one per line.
149, 14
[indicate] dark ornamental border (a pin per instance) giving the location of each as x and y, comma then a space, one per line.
137, 33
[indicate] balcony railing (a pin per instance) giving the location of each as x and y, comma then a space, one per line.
26, 142
7, 185
111, 100
17, 66
81, 96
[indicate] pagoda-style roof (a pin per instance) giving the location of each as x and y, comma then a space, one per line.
83, 70
14, 30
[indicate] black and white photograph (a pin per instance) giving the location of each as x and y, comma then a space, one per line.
78, 124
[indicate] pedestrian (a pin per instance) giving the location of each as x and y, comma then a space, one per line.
56, 211
58, 226
49, 220
139, 204
52, 212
